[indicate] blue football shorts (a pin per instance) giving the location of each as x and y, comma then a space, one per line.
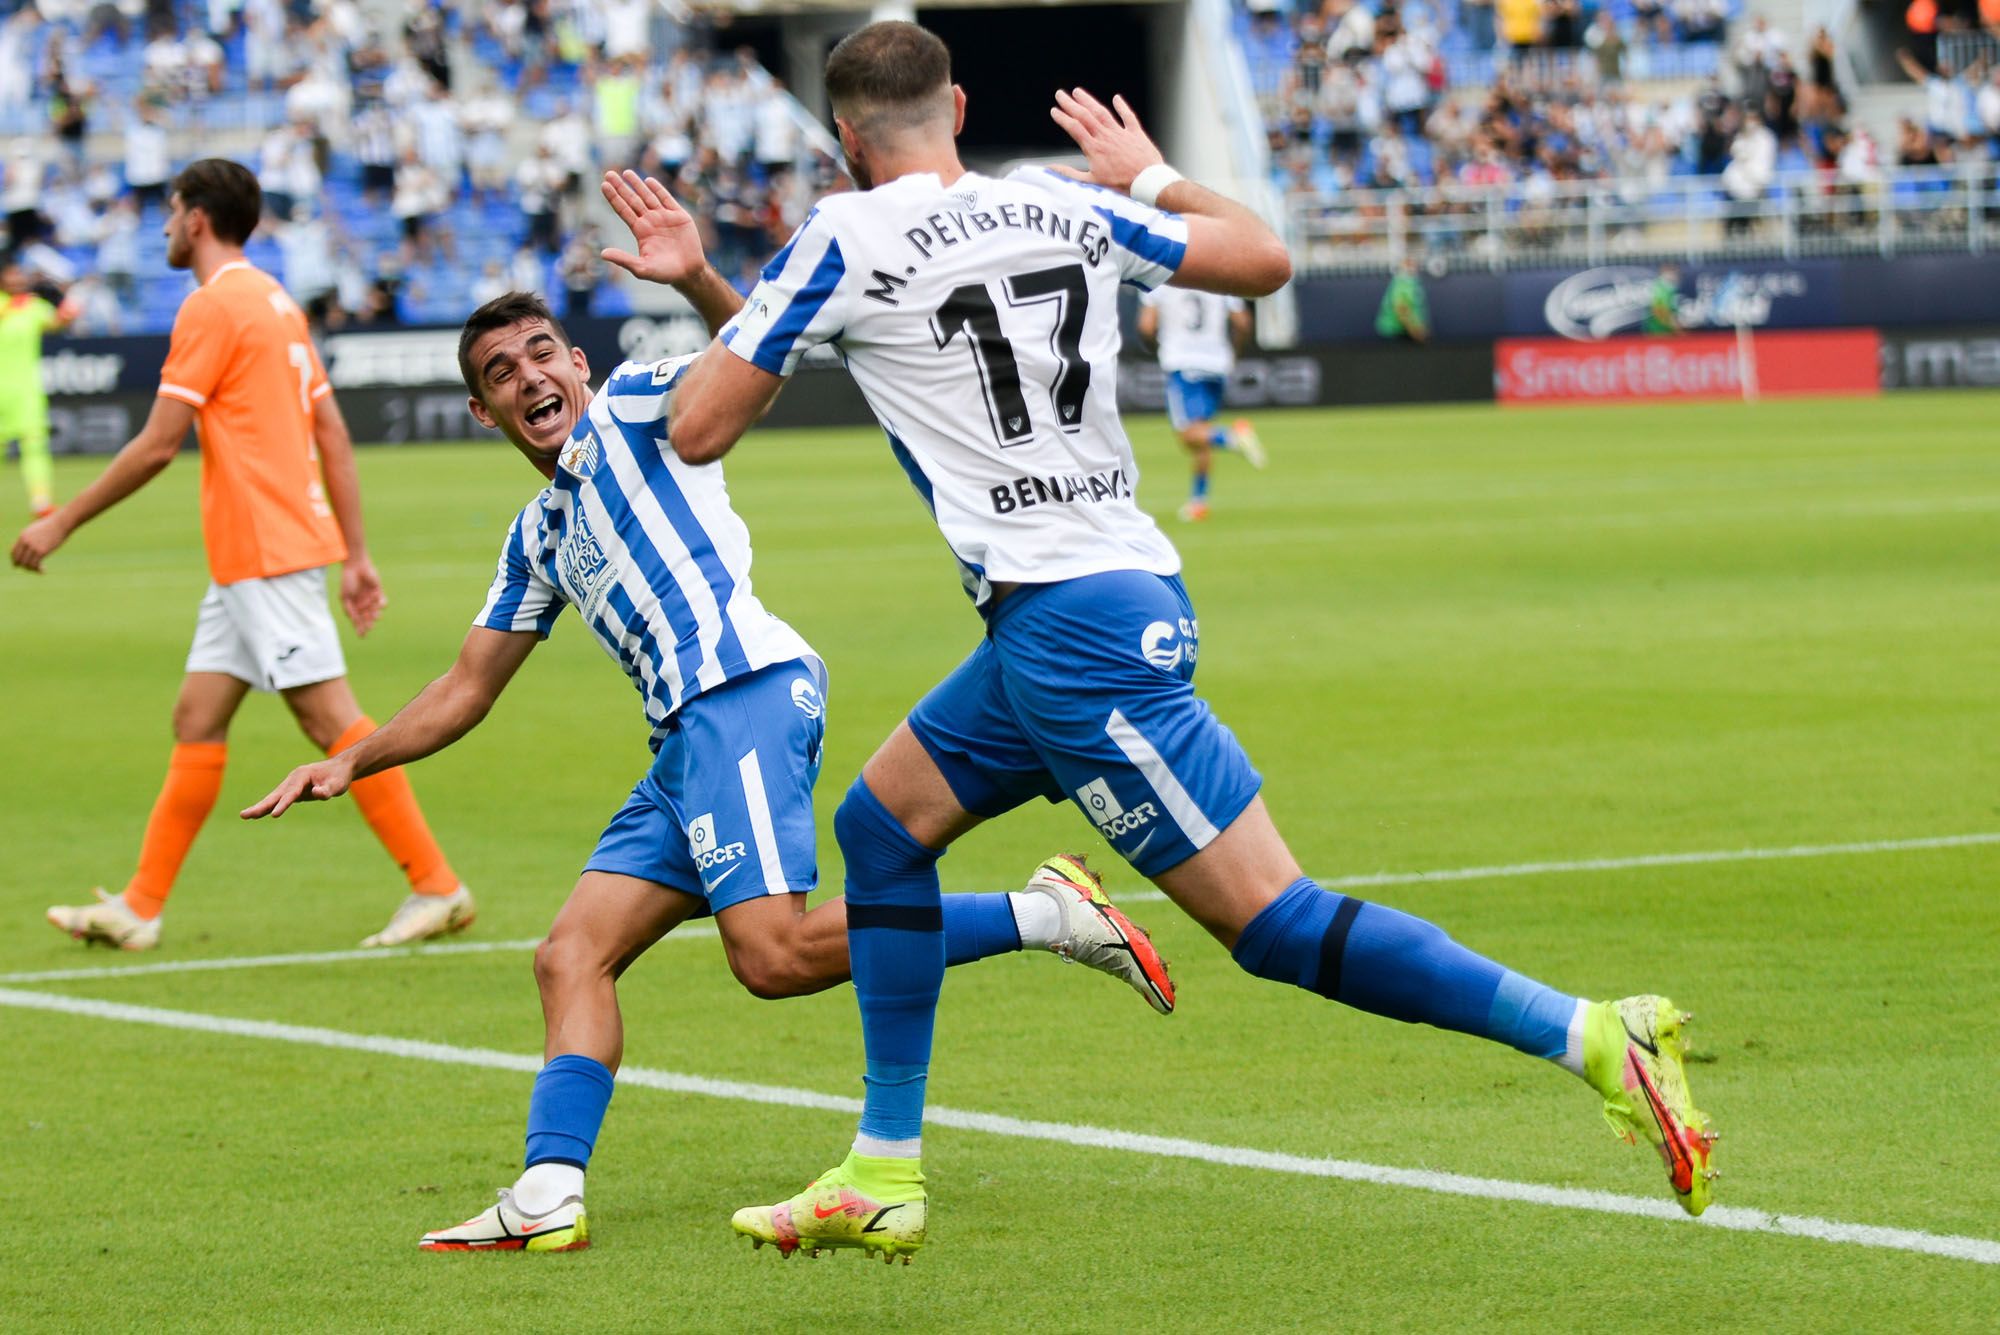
726, 810
1083, 691
1193, 398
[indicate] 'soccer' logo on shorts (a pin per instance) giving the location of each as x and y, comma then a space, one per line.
806, 696
1109, 814
701, 843
1166, 646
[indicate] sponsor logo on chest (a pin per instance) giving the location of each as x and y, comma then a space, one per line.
583, 571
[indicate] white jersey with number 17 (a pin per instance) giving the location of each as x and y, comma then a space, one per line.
980, 320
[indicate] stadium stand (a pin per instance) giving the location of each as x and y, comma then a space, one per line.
414, 158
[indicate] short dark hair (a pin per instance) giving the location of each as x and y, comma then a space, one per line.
227, 192
502, 312
889, 67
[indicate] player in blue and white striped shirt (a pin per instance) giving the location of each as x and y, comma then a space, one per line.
657, 564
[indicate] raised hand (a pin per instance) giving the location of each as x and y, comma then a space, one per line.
1115, 144
664, 234
317, 782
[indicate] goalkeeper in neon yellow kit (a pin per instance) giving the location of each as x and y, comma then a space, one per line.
24, 405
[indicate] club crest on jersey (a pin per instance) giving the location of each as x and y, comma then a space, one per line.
580, 457
701, 843
1166, 646
806, 697
1109, 814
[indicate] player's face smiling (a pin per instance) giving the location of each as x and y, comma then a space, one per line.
534, 388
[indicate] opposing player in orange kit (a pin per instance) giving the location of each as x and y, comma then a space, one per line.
279, 504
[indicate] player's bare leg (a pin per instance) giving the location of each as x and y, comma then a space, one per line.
205, 707
1201, 457
438, 903
778, 948
1231, 881
131, 921
607, 922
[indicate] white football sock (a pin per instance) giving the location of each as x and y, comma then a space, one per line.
1572, 1058
546, 1185
874, 1148
1037, 917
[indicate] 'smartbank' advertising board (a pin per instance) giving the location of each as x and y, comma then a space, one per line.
1693, 366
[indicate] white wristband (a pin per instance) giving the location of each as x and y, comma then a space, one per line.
1148, 184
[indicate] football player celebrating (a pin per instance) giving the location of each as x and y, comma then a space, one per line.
654, 559
979, 318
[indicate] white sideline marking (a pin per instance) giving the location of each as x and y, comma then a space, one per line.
1735, 1218
685, 933
696, 930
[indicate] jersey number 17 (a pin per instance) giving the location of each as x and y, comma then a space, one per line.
971, 311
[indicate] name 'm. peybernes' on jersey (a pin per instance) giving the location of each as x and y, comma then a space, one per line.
1024, 464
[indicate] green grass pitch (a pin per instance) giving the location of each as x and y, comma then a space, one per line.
1451, 637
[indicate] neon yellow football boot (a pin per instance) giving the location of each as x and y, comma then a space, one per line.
887, 1219
1632, 1051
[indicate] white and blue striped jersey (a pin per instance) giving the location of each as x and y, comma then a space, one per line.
646, 548
980, 320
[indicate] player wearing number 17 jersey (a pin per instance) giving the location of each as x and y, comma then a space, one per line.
975, 314
279, 504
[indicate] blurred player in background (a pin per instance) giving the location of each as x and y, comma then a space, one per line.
657, 563
24, 404
279, 504
1197, 336
979, 318
1404, 314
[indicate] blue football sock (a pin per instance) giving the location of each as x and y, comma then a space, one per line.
1389, 963
976, 926
896, 946
566, 1110
1199, 490
1221, 439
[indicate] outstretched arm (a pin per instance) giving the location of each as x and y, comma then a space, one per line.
142, 459
1229, 248
443, 712
669, 247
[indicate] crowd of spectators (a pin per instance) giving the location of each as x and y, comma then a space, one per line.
406, 173
1361, 100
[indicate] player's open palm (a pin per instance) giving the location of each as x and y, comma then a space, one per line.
361, 595
320, 781
1115, 144
664, 235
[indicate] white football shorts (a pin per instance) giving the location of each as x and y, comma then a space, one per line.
273, 633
